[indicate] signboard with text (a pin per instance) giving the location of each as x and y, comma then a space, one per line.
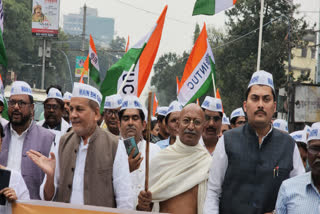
79, 66
45, 18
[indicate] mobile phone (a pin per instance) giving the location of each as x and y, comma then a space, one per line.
4, 182
130, 143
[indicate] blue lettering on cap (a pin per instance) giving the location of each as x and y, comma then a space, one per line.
254, 79
162, 112
99, 99
25, 89
225, 119
206, 103
270, 82
136, 104
276, 125
58, 95
108, 104
313, 133
125, 104
218, 105
297, 137
170, 108
119, 101
236, 113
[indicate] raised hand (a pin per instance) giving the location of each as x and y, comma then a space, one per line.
47, 165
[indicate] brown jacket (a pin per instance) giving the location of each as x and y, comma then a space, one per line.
98, 186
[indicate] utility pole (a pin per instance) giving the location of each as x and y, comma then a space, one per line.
84, 27
43, 62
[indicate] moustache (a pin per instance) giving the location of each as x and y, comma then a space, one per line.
260, 111
211, 129
189, 132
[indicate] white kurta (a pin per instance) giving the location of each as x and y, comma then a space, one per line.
17, 183
121, 178
138, 176
15, 149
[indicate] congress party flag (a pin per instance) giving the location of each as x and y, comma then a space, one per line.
141, 55
211, 7
155, 104
3, 56
197, 75
93, 63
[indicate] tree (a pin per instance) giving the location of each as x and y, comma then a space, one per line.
196, 33
236, 62
166, 69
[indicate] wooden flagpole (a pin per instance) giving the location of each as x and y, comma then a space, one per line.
146, 185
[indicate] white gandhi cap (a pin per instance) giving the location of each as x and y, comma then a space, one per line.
261, 78
281, 125
174, 106
67, 96
212, 104
20, 87
86, 91
113, 101
54, 93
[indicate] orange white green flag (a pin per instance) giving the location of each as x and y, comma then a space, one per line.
141, 56
94, 72
197, 75
211, 7
155, 104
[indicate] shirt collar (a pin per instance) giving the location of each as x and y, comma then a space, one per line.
13, 132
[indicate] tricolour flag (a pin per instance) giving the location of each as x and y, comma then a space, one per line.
155, 104
141, 55
93, 63
3, 56
178, 85
197, 75
211, 7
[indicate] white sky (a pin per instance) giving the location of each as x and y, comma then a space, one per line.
137, 17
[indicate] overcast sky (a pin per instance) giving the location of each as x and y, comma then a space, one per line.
137, 17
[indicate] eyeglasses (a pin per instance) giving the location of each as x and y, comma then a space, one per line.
241, 122
214, 118
314, 150
51, 106
111, 112
21, 103
196, 122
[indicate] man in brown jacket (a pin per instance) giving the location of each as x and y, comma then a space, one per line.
86, 167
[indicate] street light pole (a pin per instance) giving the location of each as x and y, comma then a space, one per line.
43, 63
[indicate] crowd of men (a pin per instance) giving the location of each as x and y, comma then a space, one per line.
200, 161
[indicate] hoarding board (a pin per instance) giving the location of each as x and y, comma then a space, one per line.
45, 18
79, 66
307, 103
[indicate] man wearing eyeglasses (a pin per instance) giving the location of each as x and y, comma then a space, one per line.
53, 109
21, 135
212, 108
112, 106
250, 162
179, 173
237, 118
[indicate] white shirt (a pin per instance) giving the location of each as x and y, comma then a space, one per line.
64, 128
202, 143
15, 149
17, 183
218, 170
121, 178
138, 176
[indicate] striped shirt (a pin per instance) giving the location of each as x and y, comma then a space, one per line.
298, 195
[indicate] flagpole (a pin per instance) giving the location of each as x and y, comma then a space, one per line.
125, 80
260, 35
88, 75
214, 85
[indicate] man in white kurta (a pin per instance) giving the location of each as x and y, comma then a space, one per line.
132, 124
98, 162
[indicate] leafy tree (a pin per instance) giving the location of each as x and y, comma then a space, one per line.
237, 61
196, 33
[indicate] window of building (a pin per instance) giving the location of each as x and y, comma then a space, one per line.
313, 53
